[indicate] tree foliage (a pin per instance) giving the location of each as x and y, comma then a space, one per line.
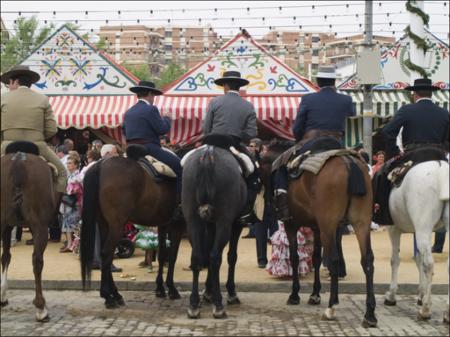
170, 73
27, 36
141, 71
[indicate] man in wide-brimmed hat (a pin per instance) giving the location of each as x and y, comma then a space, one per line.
320, 114
27, 115
234, 116
144, 125
424, 125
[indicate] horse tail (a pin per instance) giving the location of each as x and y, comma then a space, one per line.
89, 220
356, 183
19, 179
205, 184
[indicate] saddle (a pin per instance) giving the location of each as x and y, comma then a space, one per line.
246, 164
25, 147
156, 169
398, 169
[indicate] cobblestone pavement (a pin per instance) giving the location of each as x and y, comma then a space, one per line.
260, 314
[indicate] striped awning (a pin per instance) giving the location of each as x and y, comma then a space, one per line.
386, 103
187, 113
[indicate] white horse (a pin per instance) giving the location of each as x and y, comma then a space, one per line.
420, 205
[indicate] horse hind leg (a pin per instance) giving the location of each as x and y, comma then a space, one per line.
427, 266
314, 299
291, 232
162, 253
40, 236
6, 259
232, 259
175, 234
394, 236
362, 231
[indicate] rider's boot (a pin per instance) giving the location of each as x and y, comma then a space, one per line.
282, 209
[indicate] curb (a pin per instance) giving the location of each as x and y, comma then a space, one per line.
306, 287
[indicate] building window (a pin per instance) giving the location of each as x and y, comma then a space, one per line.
168, 33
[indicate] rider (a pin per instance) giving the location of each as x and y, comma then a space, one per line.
232, 115
143, 124
424, 125
28, 116
320, 114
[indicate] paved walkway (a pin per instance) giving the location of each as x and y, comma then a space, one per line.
260, 314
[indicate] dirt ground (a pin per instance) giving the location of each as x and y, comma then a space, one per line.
65, 266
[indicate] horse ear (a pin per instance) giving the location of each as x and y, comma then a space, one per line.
136, 151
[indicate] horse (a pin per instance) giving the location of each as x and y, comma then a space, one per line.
118, 190
323, 202
214, 194
28, 199
419, 205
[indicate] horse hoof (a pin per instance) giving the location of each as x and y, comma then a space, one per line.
207, 298
390, 303
219, 314
446, 320
160, 293
43, 320
120, 301
193, 313
369, 323
423, 317
419, 302
111, 303
174, 295
4, 303
233, 300
314, 300
329, 315
293, 300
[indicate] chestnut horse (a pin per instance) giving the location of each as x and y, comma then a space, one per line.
323, 202
118, 190
28, 200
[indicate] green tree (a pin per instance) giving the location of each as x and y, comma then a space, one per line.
169, 74
141, 71
27, 35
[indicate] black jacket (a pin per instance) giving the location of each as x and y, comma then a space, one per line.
422, 122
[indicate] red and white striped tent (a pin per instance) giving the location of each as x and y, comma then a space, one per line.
87, 89
275, 90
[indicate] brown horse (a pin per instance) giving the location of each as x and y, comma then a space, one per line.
323, 202
118, 190
28, 200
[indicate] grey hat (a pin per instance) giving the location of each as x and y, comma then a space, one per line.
231, 76
20, 70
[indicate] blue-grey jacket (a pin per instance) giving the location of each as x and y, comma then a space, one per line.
143, 121
324, 110
423, 122
231, 115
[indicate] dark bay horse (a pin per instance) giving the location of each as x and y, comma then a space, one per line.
214, 194
323, 202
28, 200
118, 190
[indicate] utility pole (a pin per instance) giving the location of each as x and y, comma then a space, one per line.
368, 104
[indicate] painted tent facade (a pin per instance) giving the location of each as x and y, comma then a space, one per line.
388, 96
86, 88
275, 90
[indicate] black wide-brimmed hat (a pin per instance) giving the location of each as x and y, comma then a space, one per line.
231, 76
146, 85
20, 70
422, 84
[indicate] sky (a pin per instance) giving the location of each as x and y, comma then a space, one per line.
342, 18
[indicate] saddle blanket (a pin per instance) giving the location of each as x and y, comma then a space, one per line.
314, 162
161, 168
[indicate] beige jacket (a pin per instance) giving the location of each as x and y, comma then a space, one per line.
26, 115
